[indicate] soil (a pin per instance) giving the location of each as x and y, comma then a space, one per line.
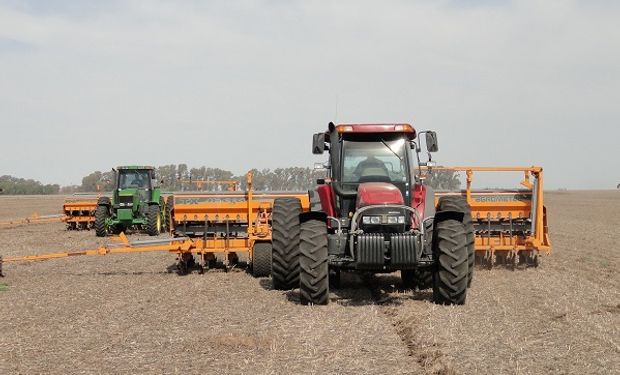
129, 314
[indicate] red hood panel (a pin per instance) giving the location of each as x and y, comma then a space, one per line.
369, 193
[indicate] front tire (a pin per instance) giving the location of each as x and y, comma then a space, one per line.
153, 220
450, 276
169, 207
101, 216
285, 242
313, 266
459, 204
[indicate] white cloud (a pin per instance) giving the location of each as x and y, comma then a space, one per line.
244, 84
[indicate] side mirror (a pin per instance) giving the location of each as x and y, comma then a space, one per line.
431, 142
318, 143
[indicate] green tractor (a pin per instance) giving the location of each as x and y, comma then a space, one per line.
136, 202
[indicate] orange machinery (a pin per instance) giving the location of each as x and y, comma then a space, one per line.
35, 218
510, 225
227, 185
229, 225
79, 211
225, 228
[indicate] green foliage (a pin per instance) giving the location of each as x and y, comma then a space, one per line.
443, 180
21, 186
98, 181
177, 177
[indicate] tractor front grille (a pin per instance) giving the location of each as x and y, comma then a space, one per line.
124, 200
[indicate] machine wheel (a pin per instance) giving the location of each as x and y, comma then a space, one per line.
459, 204
285, 241
153, 220
313, 267
423, 278
168, 219
450, 276
408, 278
420, 278
162, 213
261, 259
101, 214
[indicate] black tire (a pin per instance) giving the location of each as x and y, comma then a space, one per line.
450, 276
153, 220
459, 204
101, 214
169, 207
423, 278
285, 241
162, 212
261, 259
408, 279
313, 266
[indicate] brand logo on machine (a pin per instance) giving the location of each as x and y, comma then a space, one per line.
491, 198
198, 200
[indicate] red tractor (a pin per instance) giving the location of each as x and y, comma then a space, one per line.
373, 214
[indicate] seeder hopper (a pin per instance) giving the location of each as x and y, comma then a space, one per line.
79, 211
510, 225
230, 227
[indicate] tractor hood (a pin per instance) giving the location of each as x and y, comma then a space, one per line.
371, 193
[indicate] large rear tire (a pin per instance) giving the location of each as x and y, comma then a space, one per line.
153, 220
313, 266
285, 241
450, 276
101, 215
261, 259
459, 204
169, 207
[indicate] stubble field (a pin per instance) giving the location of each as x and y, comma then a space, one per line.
128, 314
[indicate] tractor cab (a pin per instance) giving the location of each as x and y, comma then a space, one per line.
134, 185
369, 164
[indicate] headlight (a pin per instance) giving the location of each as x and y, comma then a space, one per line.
396, 219
371, 219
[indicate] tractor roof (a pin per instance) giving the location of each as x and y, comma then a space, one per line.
376, 128
135, 167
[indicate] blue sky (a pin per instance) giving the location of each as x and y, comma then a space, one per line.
241, 84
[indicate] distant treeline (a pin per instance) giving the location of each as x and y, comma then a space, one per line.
14, 185
180, 177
